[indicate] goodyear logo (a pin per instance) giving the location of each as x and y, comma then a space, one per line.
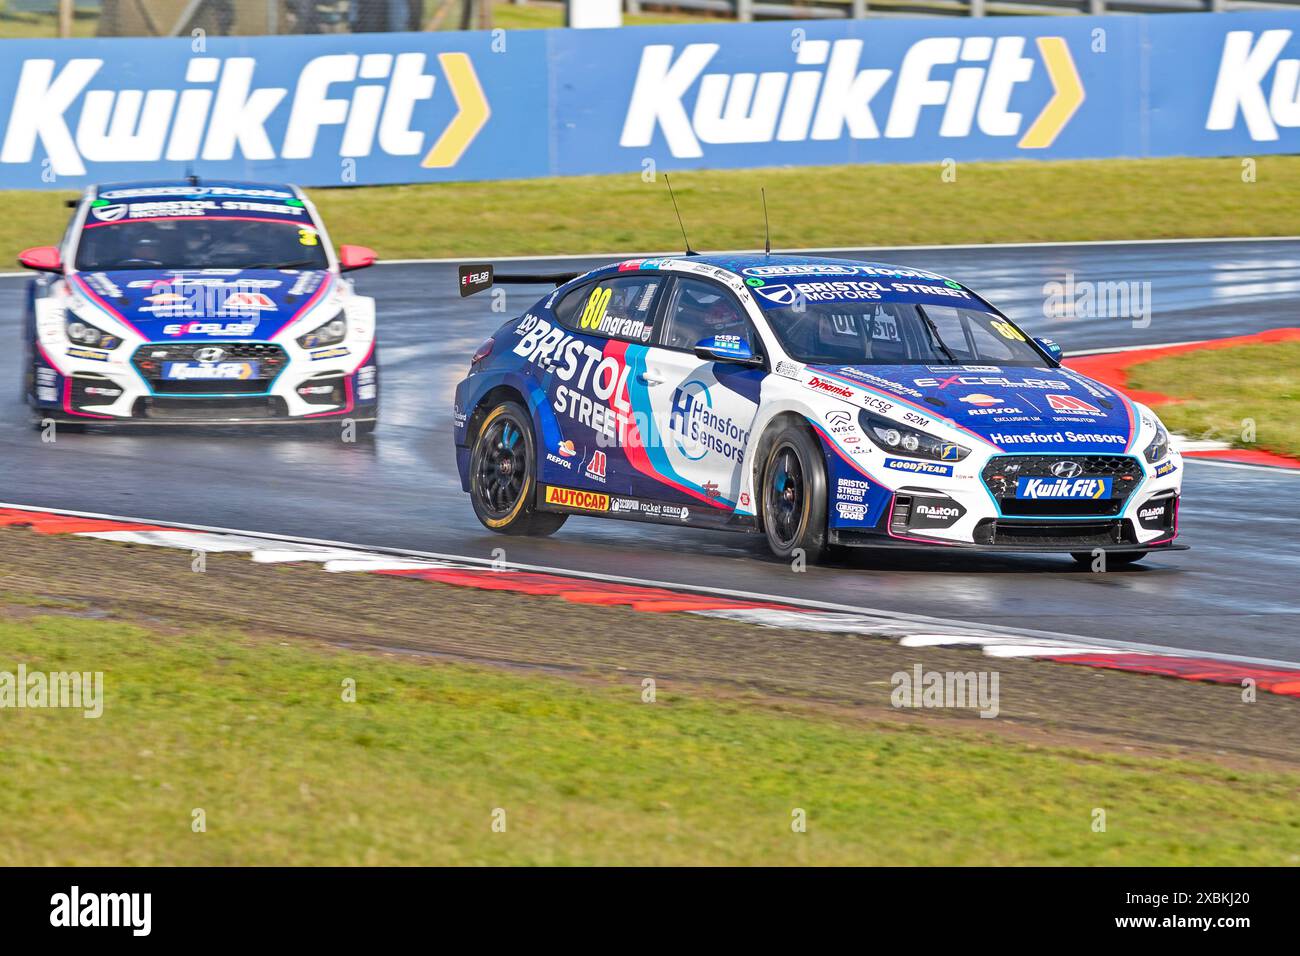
828, 96
220, 109
573, 498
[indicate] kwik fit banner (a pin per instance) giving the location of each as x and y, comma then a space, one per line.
388, 108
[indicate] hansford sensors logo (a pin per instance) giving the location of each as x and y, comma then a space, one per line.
827, 96
219, 110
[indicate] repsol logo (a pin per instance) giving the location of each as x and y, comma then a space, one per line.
828, 96
220, 110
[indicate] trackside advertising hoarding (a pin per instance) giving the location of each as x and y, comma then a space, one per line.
398, 108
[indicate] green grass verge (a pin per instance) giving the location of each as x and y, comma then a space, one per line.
25, 25
36, 25
256, 735
809, 207
546, 16
1226, 390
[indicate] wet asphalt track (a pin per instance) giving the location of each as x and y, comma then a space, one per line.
1237, 591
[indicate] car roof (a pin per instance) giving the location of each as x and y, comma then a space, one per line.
142, 189
777, 266
775, 281
747, 263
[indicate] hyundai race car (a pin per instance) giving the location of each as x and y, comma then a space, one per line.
820, 402
188, 303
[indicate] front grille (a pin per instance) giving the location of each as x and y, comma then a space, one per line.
1064, 534
149, 359
211, 410
1002, 473
244, 386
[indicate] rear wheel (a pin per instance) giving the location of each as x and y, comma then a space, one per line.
503, 474
794, 496
1114, 559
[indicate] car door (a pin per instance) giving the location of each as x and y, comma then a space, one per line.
702, 410
607, 326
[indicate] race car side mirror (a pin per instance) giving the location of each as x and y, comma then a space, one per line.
726, 348
42, 259
355, 257
1050, 347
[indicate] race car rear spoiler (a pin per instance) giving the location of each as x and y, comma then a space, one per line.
477, 278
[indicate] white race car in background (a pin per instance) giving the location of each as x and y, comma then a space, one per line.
198, 303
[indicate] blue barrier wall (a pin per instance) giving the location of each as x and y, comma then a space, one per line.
387, 108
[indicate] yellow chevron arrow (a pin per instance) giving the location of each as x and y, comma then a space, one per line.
472, 112
1067, 98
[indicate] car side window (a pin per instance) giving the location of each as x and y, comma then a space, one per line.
615, 308
699, 310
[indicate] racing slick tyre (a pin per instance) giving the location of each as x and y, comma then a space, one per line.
794, 495
1118, 559
503, 474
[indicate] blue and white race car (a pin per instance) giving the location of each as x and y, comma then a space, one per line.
188, 302
820, 402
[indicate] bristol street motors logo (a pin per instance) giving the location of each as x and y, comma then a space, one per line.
216, 110
826, 96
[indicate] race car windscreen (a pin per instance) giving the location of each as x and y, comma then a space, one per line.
898, 333
209, 243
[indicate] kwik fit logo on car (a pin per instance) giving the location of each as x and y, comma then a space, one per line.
1063, 488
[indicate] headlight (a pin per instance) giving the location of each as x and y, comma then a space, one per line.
901, 440
83, 333
1159, 446
331, 333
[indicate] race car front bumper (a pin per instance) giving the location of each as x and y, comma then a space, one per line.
132, 389
1152, 528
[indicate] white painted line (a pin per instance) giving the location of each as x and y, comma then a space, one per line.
1133, 348
279, 555
1251, 466
390, 564
835, 622
1181, 443
1047, 650
615, 256
213, 542
919, 621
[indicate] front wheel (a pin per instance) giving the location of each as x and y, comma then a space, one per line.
794, 496
1116, 559
503, 474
